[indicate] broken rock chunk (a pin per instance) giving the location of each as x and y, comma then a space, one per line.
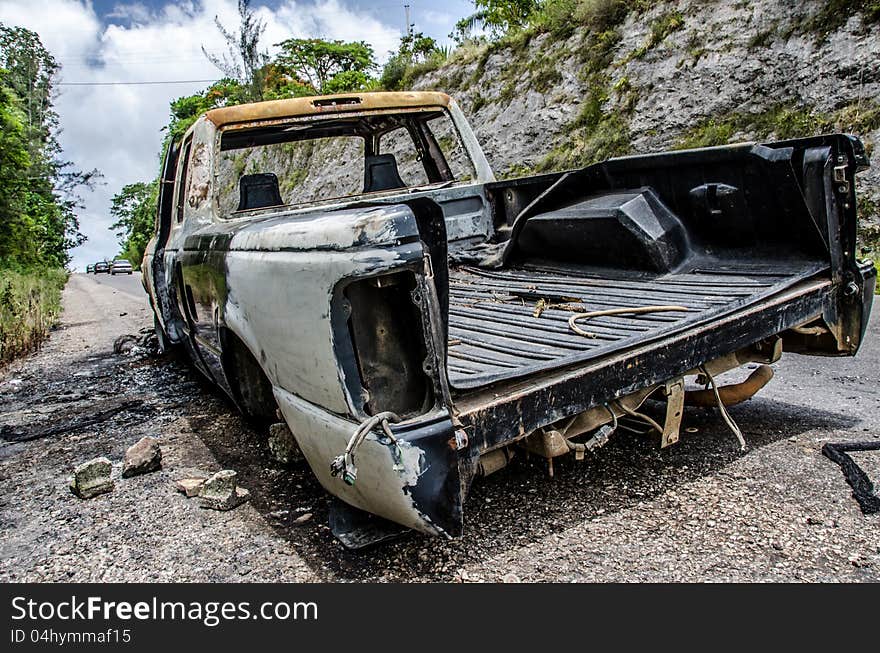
282, 444
143, 457
92, 478
190, 486
220, 492
302, 519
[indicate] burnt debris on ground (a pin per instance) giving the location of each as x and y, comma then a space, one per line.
859, 481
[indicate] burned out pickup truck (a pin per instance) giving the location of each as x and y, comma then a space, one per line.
351, 264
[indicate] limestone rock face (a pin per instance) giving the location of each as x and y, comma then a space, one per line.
142, 457
92, 478
751, 69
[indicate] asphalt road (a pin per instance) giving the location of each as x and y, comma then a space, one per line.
130, 284
700, 510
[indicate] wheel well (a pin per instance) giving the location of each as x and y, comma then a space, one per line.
246, 378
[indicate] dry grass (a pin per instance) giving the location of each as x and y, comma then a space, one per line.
30, 301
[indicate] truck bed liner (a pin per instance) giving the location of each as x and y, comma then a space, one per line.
494, 334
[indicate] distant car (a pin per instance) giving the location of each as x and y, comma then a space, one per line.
102, 266
90, 268
120, 266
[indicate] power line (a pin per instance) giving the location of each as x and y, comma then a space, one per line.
170, 81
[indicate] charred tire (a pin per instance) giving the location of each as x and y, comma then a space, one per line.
252, 388
165, 344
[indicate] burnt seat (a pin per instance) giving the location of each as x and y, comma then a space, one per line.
380, 173
258, 191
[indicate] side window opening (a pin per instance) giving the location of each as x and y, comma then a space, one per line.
410, 166
165, 208
183, 179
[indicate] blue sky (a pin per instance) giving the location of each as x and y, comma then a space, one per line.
433, 17
115, 126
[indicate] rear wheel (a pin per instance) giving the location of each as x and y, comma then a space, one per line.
165, 345
249, 383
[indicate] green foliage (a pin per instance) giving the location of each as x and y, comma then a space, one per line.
38, 191
782, 122
496, 16
858, 117
661, 28
186, 110
868, 212
30, 301
708, 133
607, 137
347, 81
394, 72
328, 66
418, 54
544, 73
563, 17
134, 208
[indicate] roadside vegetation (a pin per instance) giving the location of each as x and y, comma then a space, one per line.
38, 195
30, 302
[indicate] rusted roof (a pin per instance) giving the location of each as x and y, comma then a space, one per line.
305, 106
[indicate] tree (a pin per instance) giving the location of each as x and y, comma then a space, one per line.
186, 110
31, 70
41, 192
497, 16
244, 60
417, 47
134, 207
328, 66
15, 224
414, 49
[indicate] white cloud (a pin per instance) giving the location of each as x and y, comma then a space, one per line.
116, 128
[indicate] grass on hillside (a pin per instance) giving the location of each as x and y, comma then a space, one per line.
30, 301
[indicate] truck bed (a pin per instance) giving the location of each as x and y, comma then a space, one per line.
494, 334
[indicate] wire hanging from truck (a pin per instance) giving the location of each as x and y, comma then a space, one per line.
344, 463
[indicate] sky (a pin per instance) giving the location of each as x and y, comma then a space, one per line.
115, 127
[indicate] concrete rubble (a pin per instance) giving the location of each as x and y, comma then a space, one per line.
220, 492
143, 457
190, 486
282, 444
92, 478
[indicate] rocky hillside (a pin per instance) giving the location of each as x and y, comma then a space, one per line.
677, 74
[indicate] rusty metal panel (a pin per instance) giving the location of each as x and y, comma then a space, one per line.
324, 104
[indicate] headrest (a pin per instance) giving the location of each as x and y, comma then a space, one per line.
258, 191
380, 173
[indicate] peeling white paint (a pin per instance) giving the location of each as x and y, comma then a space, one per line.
279, 305
335, 230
